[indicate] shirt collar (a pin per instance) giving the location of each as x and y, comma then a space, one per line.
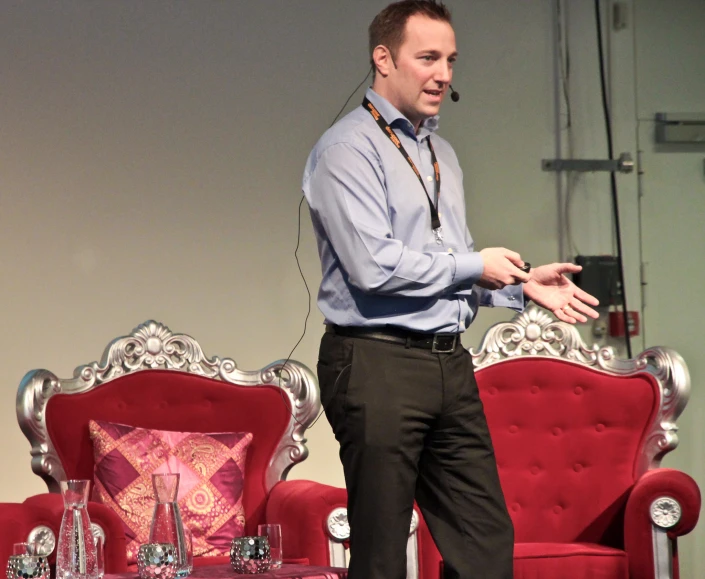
392, 115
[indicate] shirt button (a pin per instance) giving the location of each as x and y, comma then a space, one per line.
430, 178
511, 298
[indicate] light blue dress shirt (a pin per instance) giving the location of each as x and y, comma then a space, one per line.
381, 263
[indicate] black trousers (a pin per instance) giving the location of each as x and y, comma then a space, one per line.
411, 425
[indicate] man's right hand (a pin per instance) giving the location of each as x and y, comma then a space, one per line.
501, 268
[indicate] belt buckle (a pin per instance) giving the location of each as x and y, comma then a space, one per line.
434, 345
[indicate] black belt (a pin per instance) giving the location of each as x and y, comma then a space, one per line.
440, 343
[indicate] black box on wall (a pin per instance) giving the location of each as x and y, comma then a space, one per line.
599, 277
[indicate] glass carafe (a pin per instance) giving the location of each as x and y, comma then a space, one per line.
75, 552
167, 526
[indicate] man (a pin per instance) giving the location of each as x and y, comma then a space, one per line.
401, 282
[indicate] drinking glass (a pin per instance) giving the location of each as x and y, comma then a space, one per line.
273, 532
23, 549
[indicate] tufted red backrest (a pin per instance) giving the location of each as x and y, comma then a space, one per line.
173, 400
567, 440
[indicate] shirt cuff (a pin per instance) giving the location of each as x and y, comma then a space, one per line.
468, 268
511, 296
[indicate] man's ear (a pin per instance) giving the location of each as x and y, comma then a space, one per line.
383, 60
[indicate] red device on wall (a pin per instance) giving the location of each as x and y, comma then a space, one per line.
616, 327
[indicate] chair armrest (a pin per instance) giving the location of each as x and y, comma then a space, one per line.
638, 526
17, 520
302, 507
115, 550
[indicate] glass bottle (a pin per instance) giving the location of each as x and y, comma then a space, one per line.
167, 526
75, 552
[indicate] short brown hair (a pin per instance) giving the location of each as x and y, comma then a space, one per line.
388, 26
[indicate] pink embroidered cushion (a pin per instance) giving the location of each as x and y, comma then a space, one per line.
212, 469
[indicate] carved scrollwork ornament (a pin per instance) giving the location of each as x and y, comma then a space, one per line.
338, 525
665, 512
45, 540
533, 333
151, 345
98, 531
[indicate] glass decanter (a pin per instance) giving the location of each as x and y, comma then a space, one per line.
76, 552
167, 526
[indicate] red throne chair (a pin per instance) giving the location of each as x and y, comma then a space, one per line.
579, 436
156, 380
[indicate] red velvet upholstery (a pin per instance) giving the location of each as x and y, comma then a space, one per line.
563, 433
16, 522
178, 401
52, 505
303, 506
574, 560
568, 441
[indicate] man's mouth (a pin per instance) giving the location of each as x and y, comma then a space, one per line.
435, 94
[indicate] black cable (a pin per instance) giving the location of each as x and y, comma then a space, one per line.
301, 273
351, 96
308, 291
613, 179
308, 312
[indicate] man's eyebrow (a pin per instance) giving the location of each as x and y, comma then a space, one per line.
436, 53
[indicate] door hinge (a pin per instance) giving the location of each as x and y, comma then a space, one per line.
644, 282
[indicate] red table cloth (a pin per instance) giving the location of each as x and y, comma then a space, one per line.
285, 572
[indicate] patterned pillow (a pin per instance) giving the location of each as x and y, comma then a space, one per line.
212, 469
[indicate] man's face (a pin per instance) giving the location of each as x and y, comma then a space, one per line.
424, 68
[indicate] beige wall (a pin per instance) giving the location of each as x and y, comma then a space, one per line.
151, 156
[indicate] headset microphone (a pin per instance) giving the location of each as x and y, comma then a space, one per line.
454, 94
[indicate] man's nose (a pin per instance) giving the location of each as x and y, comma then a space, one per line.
444, 73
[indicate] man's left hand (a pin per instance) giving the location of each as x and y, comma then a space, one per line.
551, 289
